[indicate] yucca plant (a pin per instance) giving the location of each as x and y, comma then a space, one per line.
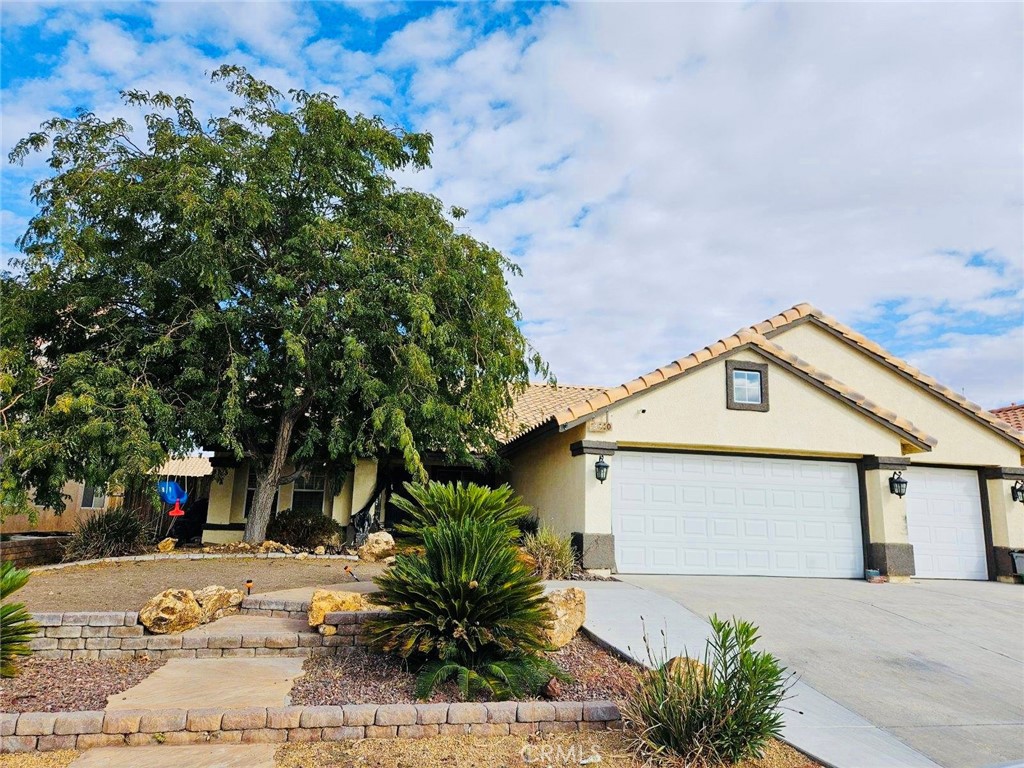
16, 625
111, 533
722, 709
553, 554
467, 609
430, 503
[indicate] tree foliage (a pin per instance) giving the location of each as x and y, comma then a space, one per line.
258, 283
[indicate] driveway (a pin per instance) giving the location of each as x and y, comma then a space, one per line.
939, 664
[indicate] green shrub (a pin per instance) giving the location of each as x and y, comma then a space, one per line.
303, 529
16, 625
722, 710
553, 554
467, 609
455, 502
112, 533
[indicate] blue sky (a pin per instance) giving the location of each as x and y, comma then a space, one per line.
663, 173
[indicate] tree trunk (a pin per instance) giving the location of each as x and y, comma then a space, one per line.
267, 481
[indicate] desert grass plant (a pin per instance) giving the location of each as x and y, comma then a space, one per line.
112, 533
430, 503
722, 709
16, 625
467, 609
554, 555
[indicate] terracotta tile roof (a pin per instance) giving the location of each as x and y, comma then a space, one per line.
536, 405
1012, 414
773, 324
590, 400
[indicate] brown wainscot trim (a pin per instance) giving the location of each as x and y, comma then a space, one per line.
743, 365
593, 448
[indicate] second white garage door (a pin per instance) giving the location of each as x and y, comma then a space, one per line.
702, 514
944, 523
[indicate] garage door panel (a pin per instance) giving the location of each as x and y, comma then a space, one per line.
944, 523
737, 515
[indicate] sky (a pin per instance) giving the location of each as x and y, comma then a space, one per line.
663, 173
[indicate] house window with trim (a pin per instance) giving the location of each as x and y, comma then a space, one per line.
308, 494
93, 497
250, 494
746, 386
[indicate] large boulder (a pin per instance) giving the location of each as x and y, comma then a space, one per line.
173, 610
569, 607
325, 601
217, 602
378, 546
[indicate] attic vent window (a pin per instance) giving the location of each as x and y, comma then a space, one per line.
746, 386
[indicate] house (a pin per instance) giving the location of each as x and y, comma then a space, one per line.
1012, 414
777, 451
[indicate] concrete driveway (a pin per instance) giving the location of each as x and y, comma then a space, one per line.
939, 664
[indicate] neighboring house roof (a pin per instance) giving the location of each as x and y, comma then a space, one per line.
589, 403
774, 325
1012, 414
187, 466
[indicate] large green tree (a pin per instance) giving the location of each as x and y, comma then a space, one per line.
258, 283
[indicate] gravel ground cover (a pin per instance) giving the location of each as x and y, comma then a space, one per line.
59, 759
566, 749
364, 677
63, 685
127, 586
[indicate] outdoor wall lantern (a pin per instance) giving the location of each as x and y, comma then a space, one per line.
897, 484
601, 469
1017, 491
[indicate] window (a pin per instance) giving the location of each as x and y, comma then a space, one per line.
93, 497
308, 494
250, 494
746, 386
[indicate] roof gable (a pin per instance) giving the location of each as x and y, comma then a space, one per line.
590, 401
809, 313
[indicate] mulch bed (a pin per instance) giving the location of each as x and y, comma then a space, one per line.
62, 685
361, 676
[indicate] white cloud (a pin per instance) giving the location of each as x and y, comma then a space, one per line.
668, 172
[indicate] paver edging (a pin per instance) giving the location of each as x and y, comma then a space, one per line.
193, 556
46, 731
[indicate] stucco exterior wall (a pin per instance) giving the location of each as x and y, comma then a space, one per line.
49, 521
962, 440
553, 482
691, 412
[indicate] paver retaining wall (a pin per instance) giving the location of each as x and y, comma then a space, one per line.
118, 635
33, 550
45, 731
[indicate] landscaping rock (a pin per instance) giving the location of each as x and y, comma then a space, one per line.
682, 667
173, 610
378, 546
324, 601
569, 607
217, 601
166, 545
321, 550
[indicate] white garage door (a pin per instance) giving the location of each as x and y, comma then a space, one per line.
688, 513
944, 523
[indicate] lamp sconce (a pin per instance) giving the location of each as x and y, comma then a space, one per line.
1017, 491
601, 469
898, 485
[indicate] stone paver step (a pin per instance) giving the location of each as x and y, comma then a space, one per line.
191, 756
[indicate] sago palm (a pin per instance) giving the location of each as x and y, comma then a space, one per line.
16, 625
428, 504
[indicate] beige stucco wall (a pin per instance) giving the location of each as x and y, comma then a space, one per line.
961, 439
553, 482
227, 498
49, 521
1006, 516
690, 412
887, 513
